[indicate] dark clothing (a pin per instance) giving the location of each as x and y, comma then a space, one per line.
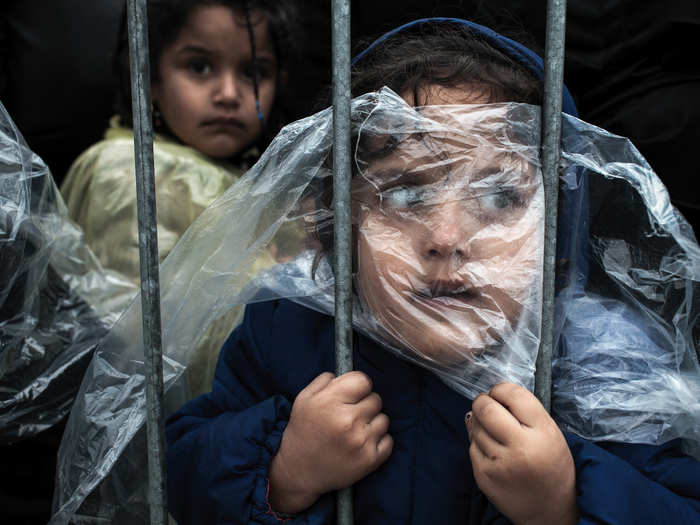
221, 444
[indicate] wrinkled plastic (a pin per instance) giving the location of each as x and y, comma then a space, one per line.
447, 216
56, 303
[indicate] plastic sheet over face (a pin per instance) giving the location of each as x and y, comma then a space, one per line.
56, 302
447, 224
449, 237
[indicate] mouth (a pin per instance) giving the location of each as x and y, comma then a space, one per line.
457, 296
224, 122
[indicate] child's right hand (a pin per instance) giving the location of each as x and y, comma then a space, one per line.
336, 435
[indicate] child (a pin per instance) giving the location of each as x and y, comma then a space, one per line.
217, 69
447, 215
447, 277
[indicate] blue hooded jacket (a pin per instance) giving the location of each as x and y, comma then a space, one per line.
220, 445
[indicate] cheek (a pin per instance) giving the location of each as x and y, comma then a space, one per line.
384, 260
179, 103
267, 91
384, 249
517, 265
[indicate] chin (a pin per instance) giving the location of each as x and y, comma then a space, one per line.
436, 346
220, 153
445, 352
222, 148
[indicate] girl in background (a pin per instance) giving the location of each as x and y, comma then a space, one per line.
218, 70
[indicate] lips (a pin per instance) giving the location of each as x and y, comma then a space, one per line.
227, 122
445, 294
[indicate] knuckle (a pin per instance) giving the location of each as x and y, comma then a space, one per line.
356, 438
362, 379
345, 422
508, 391
504, 389
483, 406
381, 452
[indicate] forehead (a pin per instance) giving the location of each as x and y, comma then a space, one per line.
437, 95
218, 28
436, 140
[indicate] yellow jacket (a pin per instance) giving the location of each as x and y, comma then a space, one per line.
100, 193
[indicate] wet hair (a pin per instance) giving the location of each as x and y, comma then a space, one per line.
166, 18
448, 55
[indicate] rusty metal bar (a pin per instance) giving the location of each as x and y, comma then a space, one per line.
148, 253
342, 252
551, 152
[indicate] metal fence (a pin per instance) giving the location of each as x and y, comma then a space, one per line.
148, 243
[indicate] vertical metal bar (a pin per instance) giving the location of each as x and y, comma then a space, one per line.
148, 253
341, 205
551, 152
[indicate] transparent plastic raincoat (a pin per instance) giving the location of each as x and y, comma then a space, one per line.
56, 301
626, 367
100, 196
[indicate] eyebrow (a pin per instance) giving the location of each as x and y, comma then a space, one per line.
193, 49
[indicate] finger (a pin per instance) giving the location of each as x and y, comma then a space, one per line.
477, 456
320, 382
369, 406
384, 448
379, 425
487, 445
496, 420
520, 402
352, 387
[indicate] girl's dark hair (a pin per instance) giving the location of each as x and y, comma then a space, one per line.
446, 54
166, 18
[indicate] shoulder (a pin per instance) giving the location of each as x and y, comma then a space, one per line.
101, 168
108, 150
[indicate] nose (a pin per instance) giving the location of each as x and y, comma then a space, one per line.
227, 91
448, 231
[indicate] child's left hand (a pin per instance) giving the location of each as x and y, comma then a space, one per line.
520, 458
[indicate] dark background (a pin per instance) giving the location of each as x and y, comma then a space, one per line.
632, 68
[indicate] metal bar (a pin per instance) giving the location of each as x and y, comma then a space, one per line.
148, 253
551, 152
341, 206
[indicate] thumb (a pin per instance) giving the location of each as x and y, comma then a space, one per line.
319, 383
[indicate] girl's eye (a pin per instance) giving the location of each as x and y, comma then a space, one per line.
199, 67
404, 196
505, 198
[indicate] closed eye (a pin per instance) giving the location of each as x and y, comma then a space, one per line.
502, 199
402, 197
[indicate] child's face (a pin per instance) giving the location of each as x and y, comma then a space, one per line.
449, 229
205, 89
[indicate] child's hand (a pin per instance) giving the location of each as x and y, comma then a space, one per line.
336, 435
520, 458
